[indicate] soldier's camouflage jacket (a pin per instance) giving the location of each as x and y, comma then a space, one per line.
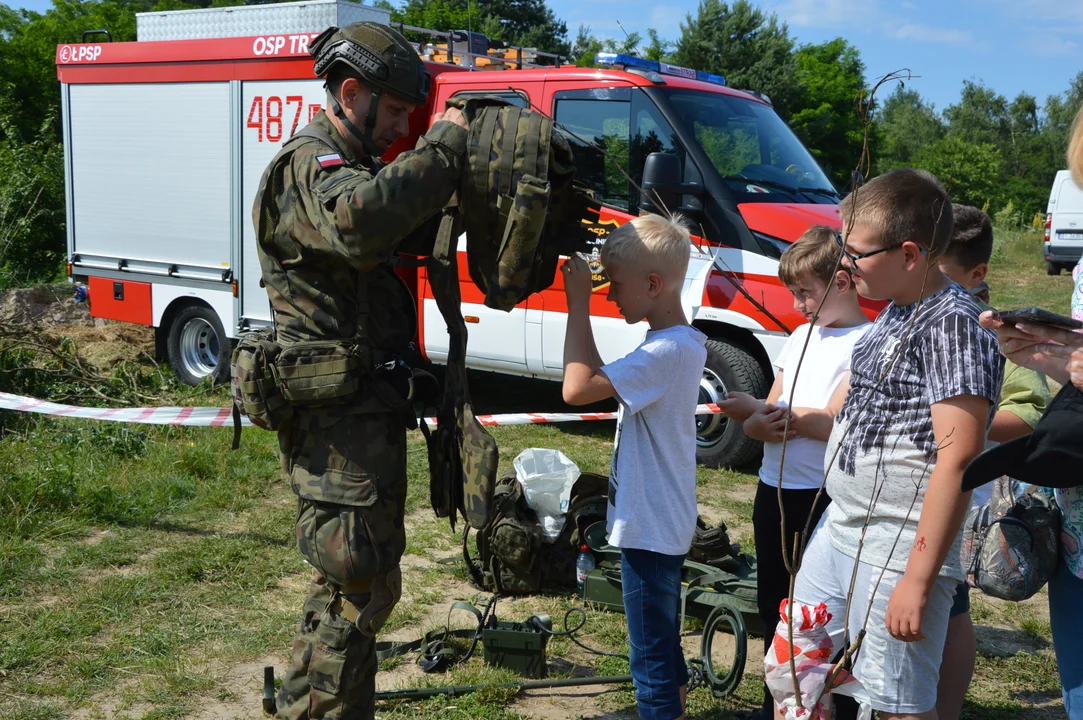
336, 221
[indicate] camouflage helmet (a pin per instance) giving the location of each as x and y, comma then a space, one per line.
381, 55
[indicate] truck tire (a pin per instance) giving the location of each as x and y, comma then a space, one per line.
197, 346
1052, 268
729, 368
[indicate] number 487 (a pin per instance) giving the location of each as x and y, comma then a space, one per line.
265, 115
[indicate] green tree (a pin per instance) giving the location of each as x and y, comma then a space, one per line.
907, 125
657, 48
523, 23
585, 47
32, 240
980, 116
971, 172
750, 48
831, 75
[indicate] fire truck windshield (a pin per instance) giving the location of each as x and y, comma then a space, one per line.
753, 150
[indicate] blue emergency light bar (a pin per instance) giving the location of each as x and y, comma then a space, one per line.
631, 61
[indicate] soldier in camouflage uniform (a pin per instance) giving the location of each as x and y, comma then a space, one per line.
329, 218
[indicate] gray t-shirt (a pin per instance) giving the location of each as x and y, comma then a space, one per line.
886, 429
652, 477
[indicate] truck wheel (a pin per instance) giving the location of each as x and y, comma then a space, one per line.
729, 368
1052, 268
198, 347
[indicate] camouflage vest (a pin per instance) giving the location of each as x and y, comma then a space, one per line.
512, 556
519, 211
519, 207
269, 379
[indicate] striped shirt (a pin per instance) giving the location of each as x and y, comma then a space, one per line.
884, 432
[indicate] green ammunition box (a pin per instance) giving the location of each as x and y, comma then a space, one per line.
519, 647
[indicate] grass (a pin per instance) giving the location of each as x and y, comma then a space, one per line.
141, 566
1017, 276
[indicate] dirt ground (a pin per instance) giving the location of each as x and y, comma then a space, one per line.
52, 311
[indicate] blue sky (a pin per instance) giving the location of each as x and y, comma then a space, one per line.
1034, 46
1013, 46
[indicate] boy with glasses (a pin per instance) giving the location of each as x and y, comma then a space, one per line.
925, 381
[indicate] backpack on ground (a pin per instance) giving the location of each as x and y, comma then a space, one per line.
512, 556
1011, 543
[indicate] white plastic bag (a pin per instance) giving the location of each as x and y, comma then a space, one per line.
547, 477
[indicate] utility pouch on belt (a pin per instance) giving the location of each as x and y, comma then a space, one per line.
320, 373
253, 385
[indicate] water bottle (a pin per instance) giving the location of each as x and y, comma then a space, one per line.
583, 565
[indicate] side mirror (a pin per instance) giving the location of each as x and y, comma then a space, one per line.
662, 186
661, 173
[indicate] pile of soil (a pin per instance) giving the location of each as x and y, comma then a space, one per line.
44, 306
53, 313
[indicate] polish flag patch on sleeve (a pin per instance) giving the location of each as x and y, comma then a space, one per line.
330, 161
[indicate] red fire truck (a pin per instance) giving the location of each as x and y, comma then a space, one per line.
165, 140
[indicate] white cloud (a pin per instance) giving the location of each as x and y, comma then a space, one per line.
1065, 13
827, 13
906, 5
929, 34
1049, 45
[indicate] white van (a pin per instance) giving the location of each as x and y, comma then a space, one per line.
1063, 225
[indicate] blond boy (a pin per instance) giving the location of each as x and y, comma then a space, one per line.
652, 478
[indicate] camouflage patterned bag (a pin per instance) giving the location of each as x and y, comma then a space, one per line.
520, 209
319, 373
255, 391
1011, 543
512, 555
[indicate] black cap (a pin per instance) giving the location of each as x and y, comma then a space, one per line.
1051, 456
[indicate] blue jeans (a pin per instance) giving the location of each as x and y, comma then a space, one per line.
1065, 598
651, 585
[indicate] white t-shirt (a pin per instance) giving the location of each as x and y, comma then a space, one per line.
827, 360
652, 477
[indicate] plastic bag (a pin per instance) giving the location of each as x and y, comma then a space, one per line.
547, 477
813, 650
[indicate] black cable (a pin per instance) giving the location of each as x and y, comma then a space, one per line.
477, 636
570, 633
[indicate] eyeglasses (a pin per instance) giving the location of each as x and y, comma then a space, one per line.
861, 256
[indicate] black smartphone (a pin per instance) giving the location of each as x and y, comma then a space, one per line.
1038, 316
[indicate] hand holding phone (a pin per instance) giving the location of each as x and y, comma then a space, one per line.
1037, 316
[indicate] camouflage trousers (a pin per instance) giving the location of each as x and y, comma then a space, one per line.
356, 551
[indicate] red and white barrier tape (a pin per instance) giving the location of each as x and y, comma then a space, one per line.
219, 416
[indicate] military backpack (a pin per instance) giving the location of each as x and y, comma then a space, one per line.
518, 208
512, 556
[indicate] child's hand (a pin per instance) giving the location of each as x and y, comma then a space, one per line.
768, 424
577, 282
905, 609
739, 406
